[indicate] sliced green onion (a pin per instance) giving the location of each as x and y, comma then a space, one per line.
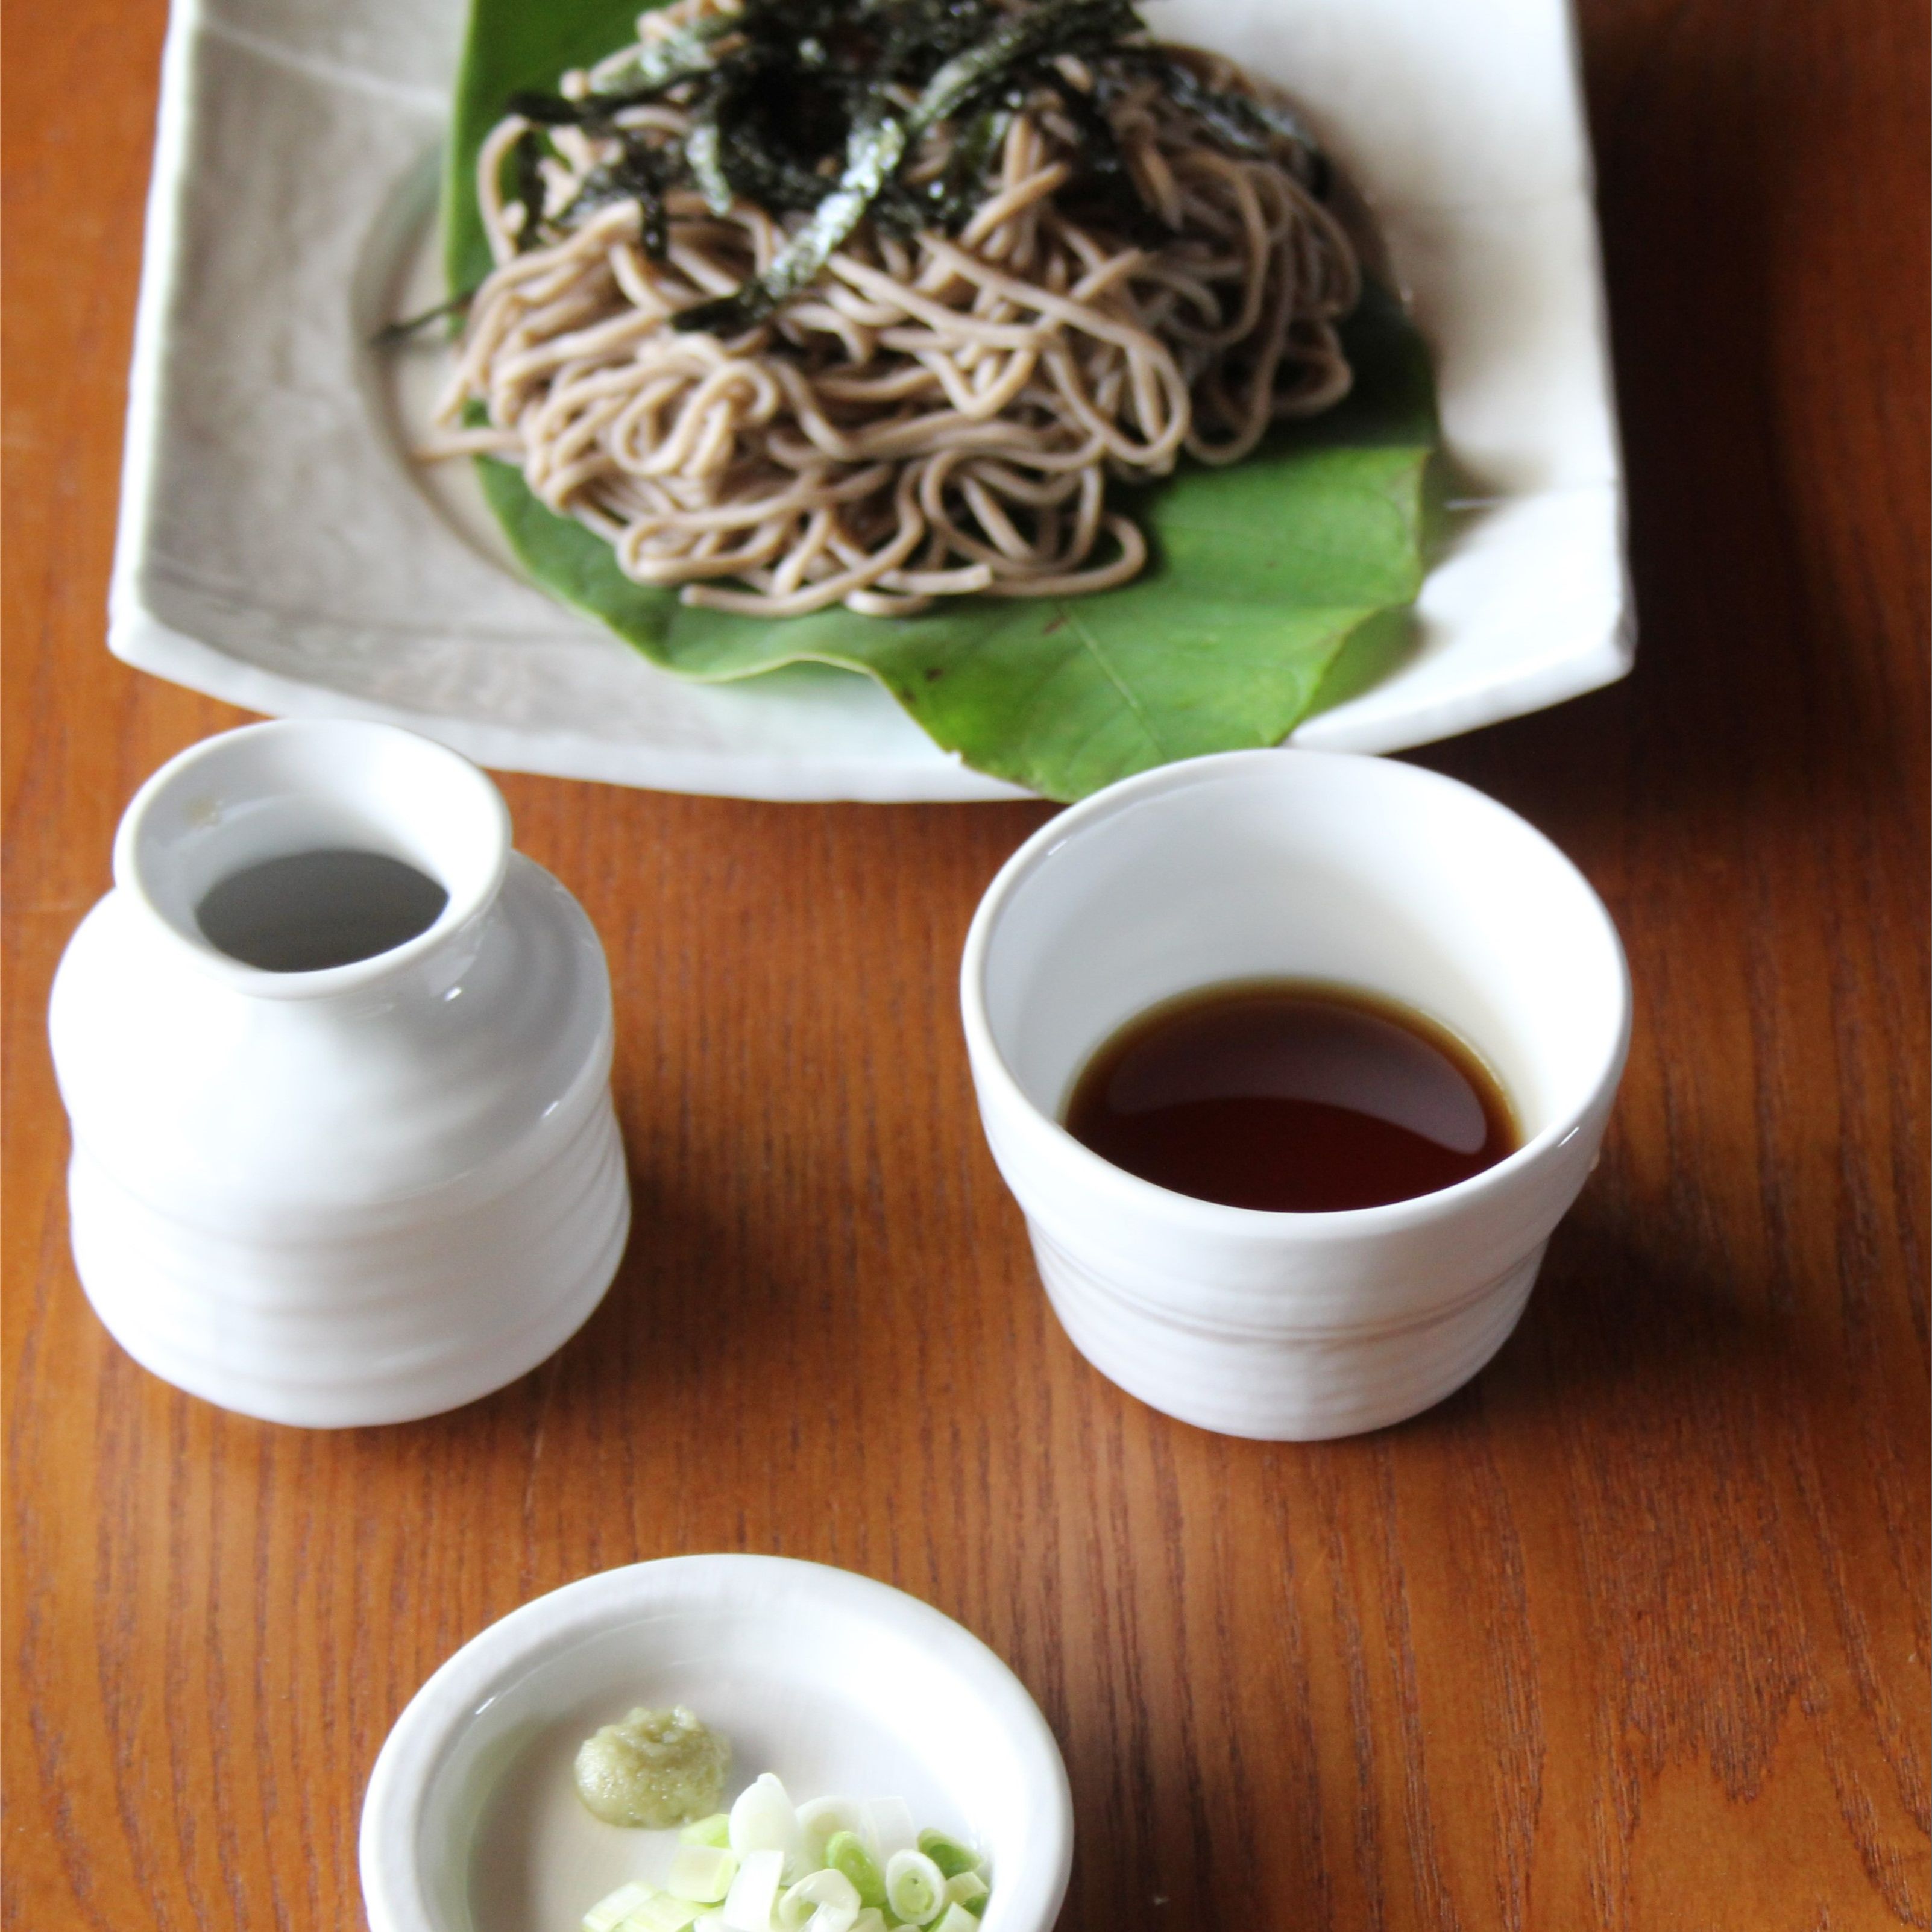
845, 1854
747, 1905
822, 1819
915, 1887
891, 1826
660, 1913
852, 1867
969, 1889
948, 1853
813, 1897
763, 1820
703, 1872
608, 1913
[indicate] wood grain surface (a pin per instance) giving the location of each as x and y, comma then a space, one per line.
1631, 1633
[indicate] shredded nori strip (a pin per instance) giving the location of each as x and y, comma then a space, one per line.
1238, 121
800, 106
641, 173
707, 167
391, 333
1102, 179
529, 155
675, 57
880, 141
875, 149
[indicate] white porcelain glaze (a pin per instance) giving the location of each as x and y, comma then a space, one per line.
352, 1195
837, 1683
1327, 866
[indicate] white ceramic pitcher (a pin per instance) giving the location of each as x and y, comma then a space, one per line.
354, 1193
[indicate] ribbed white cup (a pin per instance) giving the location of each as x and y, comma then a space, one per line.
1304, 865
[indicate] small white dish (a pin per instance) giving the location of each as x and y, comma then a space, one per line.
1360, 871
837, 1683
278, 550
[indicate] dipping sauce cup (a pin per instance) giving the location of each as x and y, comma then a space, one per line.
1297, 865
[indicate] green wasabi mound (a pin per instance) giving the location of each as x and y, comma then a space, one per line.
654, 1769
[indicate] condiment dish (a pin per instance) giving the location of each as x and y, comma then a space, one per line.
837, 1683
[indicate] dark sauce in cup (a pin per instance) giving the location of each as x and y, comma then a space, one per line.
1293, 1097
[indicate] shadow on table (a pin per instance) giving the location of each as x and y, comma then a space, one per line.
1623, 1323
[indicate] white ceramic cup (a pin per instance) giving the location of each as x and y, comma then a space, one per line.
1303, 865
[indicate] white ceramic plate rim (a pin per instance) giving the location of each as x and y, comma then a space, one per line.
394, 1891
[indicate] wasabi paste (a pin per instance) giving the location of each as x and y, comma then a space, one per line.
653, 1769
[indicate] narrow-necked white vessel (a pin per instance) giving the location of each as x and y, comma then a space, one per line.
354, 1193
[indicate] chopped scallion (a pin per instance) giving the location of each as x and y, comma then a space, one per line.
817, 1890
821, 1820
823, 1899
703, 1872
845, 1854
915, 1887
892, 1829
747, 1905
610, 1912
661, 1912
819, 1869
948, 1853
763, 1820
969, 1889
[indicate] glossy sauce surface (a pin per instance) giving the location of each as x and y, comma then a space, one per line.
1292, 1096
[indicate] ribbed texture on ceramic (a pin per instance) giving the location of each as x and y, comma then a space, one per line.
1288, 1384
268, 1329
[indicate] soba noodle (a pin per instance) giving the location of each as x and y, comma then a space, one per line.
935, 415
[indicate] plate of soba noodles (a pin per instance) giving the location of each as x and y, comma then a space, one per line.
878, 399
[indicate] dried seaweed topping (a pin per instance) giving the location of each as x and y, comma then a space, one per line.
812, 107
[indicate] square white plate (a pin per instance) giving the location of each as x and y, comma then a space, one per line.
278, 549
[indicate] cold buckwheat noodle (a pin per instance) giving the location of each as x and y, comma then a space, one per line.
935, 413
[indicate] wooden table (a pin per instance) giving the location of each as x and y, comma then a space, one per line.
1632, 1632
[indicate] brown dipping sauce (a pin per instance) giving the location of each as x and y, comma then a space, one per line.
1293, 1097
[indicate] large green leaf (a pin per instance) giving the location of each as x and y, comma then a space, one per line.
1259, 574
